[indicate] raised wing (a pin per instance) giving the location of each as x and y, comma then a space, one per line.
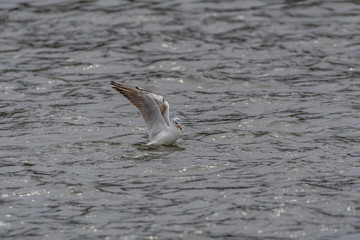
161, 102
147, 105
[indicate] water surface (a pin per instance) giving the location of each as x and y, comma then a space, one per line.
268, 92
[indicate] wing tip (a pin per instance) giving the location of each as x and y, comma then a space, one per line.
119, 86
115, 83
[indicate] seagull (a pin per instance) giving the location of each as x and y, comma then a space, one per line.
155, 111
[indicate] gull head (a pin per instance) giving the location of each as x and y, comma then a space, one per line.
177, 123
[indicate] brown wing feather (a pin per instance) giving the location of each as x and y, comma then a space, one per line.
163, 109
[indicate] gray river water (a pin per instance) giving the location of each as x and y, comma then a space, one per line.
268, 93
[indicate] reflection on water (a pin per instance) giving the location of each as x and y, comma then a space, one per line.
268, 94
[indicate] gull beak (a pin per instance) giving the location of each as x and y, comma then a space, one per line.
179, 127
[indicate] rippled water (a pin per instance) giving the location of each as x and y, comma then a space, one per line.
268, 92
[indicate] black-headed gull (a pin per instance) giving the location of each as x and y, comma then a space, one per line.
155, 111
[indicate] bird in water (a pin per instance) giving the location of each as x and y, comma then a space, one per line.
155, 111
